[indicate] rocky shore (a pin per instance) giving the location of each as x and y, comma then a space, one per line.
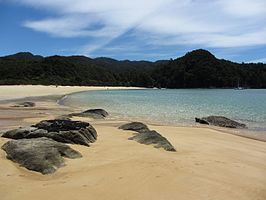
208, 163
41, 147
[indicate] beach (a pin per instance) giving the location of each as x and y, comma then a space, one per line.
208, 164
23, 91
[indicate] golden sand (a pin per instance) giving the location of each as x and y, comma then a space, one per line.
208, 164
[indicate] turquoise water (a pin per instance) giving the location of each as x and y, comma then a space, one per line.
177, 106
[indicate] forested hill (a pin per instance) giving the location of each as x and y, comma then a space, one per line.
197, 69
201, 69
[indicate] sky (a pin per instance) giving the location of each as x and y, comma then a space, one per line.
135, 29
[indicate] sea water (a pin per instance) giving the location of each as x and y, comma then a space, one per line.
177, 106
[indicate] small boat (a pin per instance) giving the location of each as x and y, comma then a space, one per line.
238, 87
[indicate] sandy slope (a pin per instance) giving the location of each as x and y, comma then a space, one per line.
208, 164
21, 91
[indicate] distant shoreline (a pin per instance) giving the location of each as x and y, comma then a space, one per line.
11, 92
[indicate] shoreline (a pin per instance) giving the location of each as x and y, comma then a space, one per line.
11, 92
46, 99
208, 164
247, 133
259, 136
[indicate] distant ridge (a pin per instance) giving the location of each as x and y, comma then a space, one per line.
25, 56
196, 69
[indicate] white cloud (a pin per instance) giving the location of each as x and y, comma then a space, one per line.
64, 26
243, 8
209, 23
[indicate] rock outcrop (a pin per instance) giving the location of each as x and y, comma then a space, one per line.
92, 113
146, 136
220, 121
201, 121
66, 131
135, 126
43, 155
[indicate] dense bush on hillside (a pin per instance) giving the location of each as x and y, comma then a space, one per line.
200, 69
197, 69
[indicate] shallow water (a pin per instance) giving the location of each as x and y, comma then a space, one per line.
178, 106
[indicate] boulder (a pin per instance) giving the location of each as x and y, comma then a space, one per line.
220, 121
43, 155
135, 126
57, 125
201, 121
100, 112
152, 137
146, 136
92, 113
19, 133
66, 131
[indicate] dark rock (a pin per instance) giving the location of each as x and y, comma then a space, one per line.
19, 133
93, 113
26, 104
97, 112
43, 155
66, 131
152, 137
221, 121
60, 125
146, 136
70, 137
201, 121
135, 126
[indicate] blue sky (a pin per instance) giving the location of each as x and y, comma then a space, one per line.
135, 30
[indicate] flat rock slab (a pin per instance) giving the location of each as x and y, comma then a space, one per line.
43, 155
92, 113
220, 121
153, 137
148, 137
66, 131
135, 126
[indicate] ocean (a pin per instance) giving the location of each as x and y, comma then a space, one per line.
177, 106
